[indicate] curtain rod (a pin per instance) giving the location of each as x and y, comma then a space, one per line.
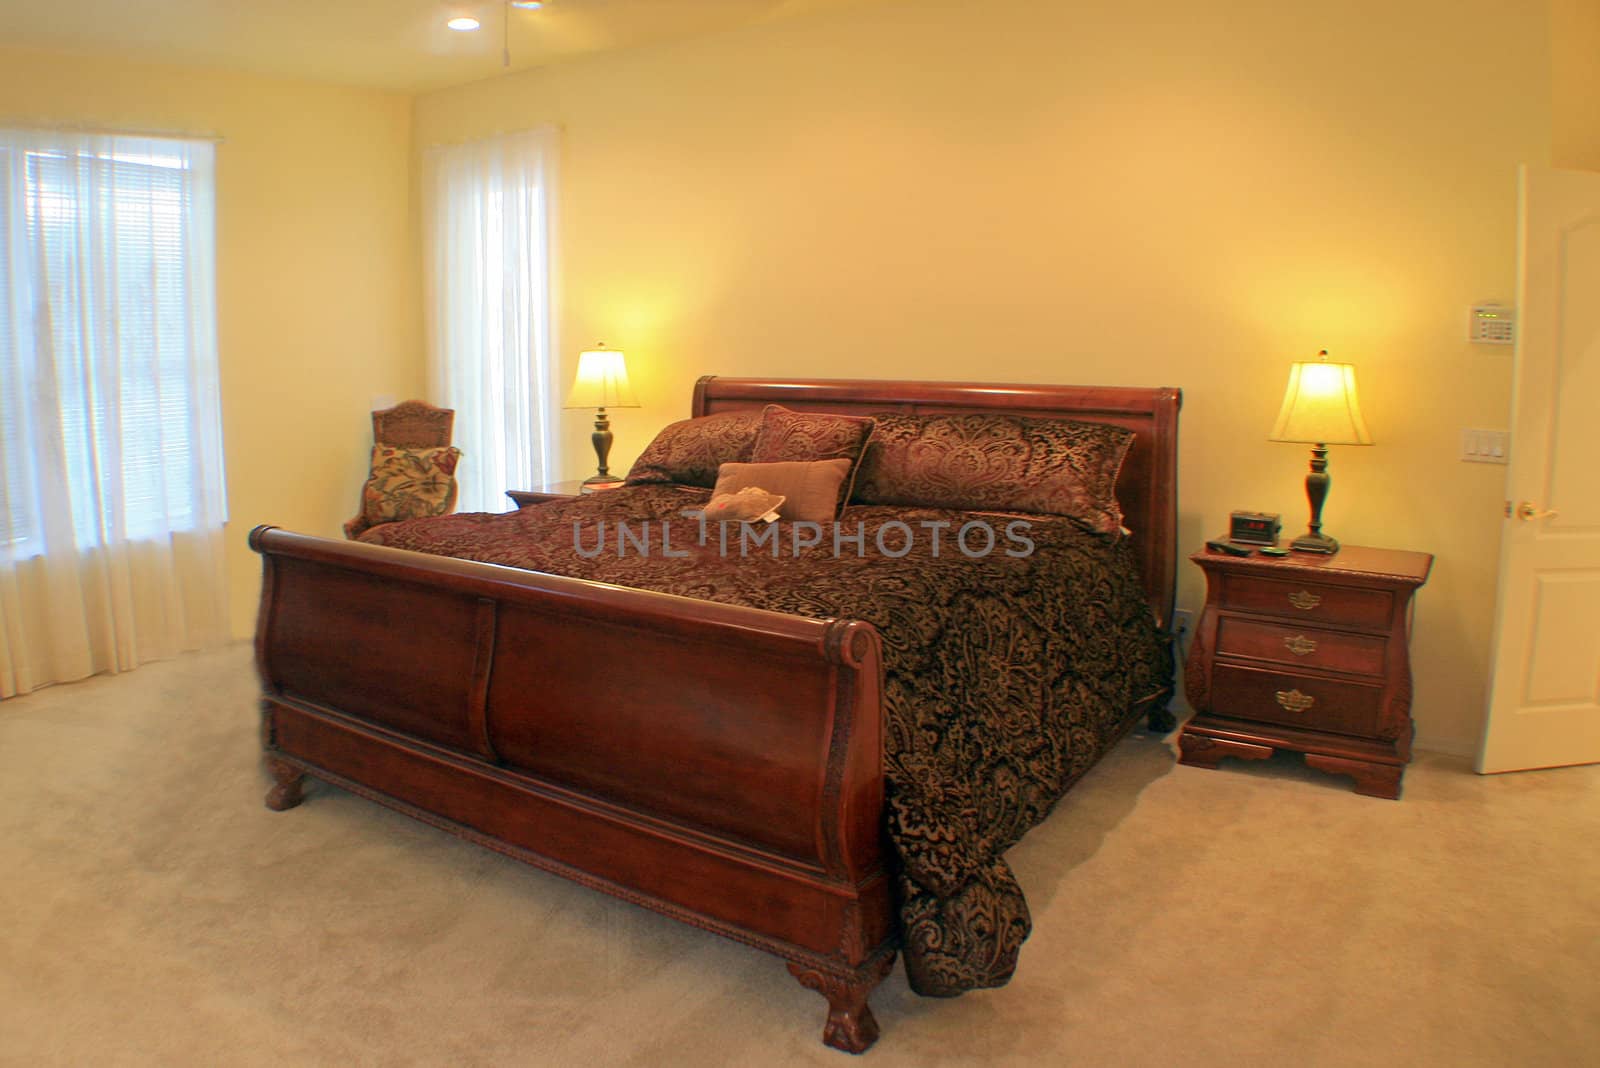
48, 126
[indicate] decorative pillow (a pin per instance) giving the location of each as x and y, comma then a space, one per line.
997, 463
744, 506
409, 483
691, 451
810, 491
787, 436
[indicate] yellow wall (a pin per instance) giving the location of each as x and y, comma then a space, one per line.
1154, 192
317, 287
1575, 83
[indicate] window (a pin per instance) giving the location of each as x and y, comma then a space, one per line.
106, 341
489, 209
111, 477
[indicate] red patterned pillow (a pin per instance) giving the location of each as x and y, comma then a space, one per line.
805, 437
690, 451
787, 436
997, 463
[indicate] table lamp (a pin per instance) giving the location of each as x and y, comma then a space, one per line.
602, 383
1320, 408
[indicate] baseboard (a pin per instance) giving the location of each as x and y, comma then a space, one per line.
1455, 747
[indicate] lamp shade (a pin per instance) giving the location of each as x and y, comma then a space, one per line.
602, 381
1321, 407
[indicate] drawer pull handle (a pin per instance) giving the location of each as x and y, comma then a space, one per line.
1295, 701
1300, 645
1305, 600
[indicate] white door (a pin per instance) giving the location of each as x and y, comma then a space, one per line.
1544, 703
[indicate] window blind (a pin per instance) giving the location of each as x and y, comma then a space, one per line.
99, 241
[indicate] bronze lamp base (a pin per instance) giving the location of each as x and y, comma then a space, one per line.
1315, 543
1317, 483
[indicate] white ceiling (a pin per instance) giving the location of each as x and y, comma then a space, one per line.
389, 44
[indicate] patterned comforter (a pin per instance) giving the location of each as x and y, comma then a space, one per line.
1006, 675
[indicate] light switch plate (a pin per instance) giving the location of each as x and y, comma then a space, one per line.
1485, 447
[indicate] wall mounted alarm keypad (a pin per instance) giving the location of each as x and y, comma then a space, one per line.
1492, 324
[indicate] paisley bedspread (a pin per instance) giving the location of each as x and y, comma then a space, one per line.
1006, 675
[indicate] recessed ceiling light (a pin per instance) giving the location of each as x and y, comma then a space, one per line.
463, 23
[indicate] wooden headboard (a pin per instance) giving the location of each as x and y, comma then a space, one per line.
1147, 489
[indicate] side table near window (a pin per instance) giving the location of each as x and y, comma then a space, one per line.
556, 491
1308, 653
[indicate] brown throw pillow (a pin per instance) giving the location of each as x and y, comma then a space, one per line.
997, 463
787, 436
810, 490
690, 451
1073, 471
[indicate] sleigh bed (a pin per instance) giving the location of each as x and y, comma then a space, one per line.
824, 758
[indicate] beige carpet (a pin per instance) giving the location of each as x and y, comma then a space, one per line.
153, 912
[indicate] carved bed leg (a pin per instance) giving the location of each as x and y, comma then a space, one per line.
1161, 720
851, 1025
289, 790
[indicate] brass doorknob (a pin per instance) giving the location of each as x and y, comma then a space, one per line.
1527, 512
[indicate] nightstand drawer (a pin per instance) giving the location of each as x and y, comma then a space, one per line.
1296, 700
1302, 646
1309, 601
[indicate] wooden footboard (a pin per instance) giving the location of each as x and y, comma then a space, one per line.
719, 764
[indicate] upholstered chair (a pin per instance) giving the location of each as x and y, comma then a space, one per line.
412, 424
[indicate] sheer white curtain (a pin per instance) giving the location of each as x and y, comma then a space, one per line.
111, 478
489, 209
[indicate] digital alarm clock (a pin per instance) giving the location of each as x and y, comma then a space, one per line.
1254, 528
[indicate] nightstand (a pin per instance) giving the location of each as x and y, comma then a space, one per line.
554, 492
1308, 653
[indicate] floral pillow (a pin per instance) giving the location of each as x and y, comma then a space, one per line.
690, 451
410, 483
997, 463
